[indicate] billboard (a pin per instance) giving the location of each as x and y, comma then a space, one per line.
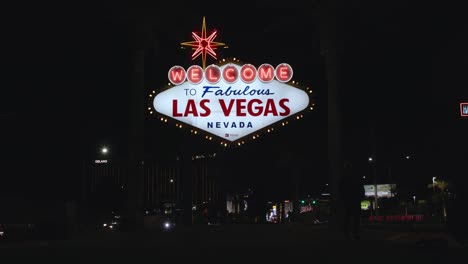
383, 190
231, 101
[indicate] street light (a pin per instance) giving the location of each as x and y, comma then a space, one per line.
104, 150
102, 153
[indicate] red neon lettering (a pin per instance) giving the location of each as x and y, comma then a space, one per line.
195, 74
176, 75
266, 72
213, 74
248, 73
283, 72
230, 74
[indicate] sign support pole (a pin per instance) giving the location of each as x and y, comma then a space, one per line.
133, 211
331, 51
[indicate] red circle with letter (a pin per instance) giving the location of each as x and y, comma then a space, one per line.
195, 74
283, 72
266, 72
212, 74
230, 74
248, 73
176, 75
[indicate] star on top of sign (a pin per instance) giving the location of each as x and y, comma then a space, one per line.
203, 45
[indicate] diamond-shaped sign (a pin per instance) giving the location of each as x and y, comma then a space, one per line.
231, 110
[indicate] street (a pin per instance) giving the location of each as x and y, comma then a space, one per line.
235, 243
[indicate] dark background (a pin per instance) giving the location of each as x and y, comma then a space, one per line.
67, 81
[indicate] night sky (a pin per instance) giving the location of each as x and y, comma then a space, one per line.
67, 85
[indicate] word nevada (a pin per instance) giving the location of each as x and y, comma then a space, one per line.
231, 101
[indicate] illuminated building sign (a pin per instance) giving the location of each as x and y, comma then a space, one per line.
365, 205
229, 100
305, 209
383, 190
464, 109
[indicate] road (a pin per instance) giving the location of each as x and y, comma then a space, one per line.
241, 243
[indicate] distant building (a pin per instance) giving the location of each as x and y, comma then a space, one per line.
104, 185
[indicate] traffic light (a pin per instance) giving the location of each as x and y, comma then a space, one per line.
302, 201
314, 201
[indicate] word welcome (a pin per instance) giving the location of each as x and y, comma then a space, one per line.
230, 74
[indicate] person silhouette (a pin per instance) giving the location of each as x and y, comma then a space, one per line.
290, 216
352, 192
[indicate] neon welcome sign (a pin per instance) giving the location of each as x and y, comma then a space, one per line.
229, 100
